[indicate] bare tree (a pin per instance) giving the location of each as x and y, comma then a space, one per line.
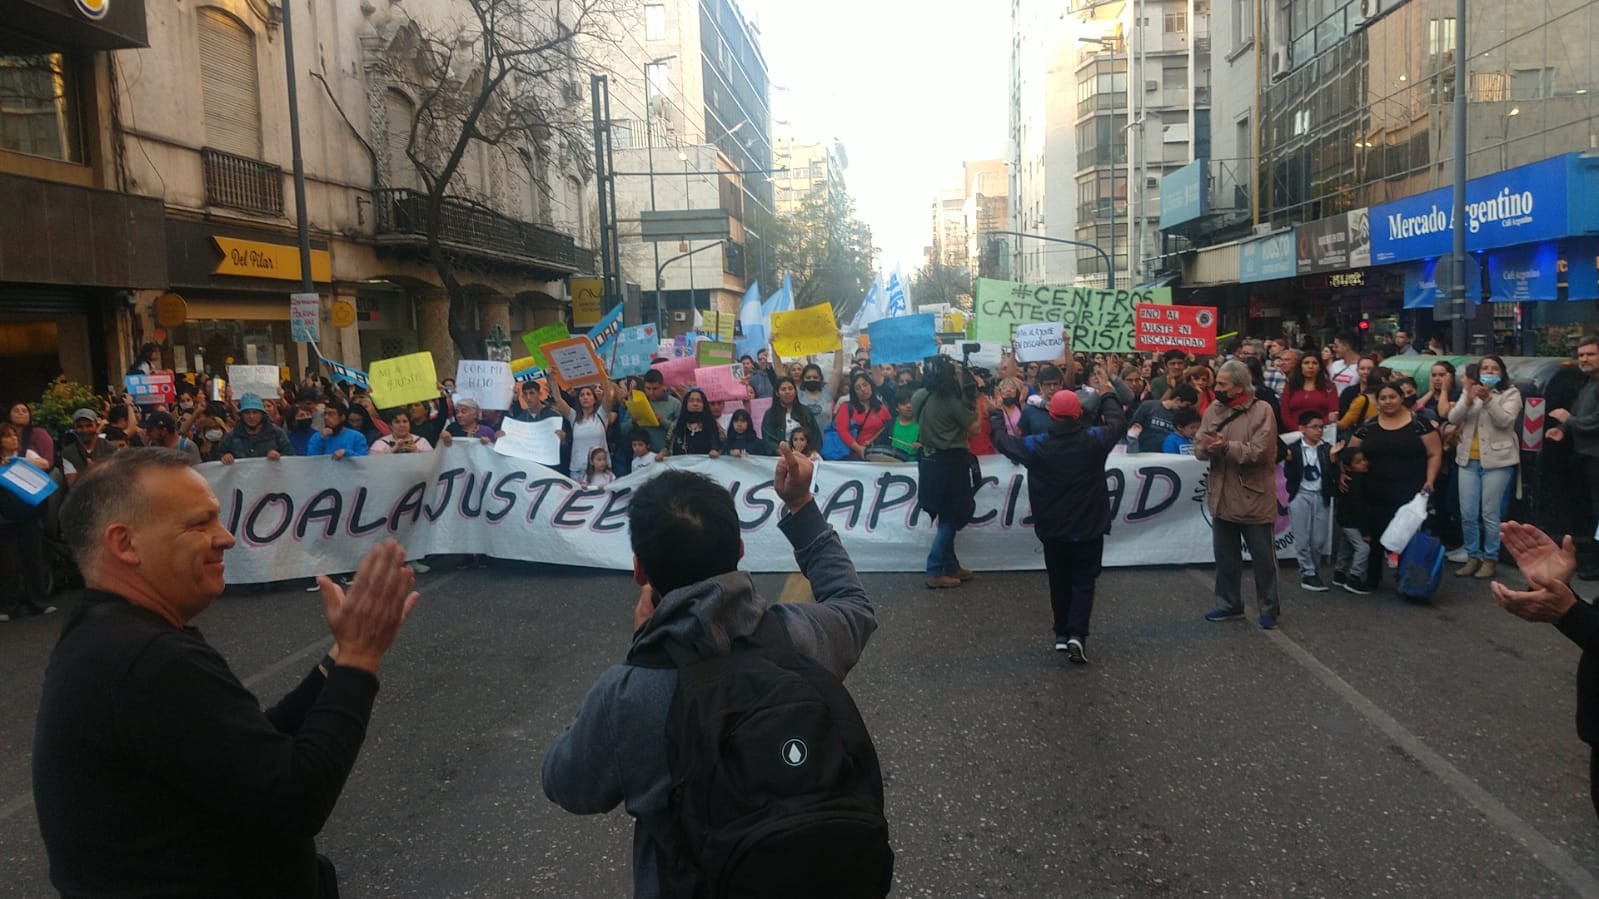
494, 89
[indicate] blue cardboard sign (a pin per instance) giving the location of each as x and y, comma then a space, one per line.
1522, 205
1267, 258
26, 481
903, 339
635, 347
344, 374
1183, 197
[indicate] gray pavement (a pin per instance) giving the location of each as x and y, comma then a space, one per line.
1368, 748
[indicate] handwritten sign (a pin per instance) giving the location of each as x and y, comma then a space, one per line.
261, 380
403, 380
678, 372
804, 332
1040, 342
574, 363
643, 414
1188, 328
148, 390
534, 441
1097, 320
903, 339
547, 334
712, 352
489, 383
305, 317
719, 382
635, 347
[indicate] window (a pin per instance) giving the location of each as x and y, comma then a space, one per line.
660, 81
1245, 148
1175, 78
401, 113
39, 107
229, 90
654, 22
1531, 84
1176, 21
1440, 36
1243, 23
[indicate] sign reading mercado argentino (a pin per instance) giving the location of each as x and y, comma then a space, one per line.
298, 517
1099, 320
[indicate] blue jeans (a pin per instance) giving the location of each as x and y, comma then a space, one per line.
941, 560
1482, 501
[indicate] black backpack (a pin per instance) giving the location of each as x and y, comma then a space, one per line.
776, 790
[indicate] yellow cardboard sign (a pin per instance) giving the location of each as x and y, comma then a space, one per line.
638, 406
403, 380
805, 332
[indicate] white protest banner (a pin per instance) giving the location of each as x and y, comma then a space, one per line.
1041, 342
261, 380
488, 382
531, 441
305, 317
296, 517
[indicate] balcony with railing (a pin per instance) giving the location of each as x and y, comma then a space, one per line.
473, 231
239, 182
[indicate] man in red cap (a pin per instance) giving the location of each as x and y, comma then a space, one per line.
1071, 505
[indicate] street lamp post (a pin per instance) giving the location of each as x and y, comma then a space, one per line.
1110, 272
1457, 323
649, 149
661, 267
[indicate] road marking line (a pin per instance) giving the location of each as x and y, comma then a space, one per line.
316, 647
1551, 856
795, 589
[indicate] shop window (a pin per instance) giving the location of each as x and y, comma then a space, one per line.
40, 109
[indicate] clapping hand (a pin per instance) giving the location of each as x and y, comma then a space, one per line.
1548, 601
366, 618
1536, 554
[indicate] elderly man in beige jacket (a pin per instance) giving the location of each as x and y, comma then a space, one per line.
1238, 436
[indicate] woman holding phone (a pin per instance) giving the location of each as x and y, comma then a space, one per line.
1486, 458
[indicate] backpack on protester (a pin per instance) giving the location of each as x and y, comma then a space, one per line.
1421, 566
776, 789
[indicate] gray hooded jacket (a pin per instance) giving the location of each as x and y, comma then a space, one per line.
615, 750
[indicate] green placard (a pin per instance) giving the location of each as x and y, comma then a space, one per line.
711, 352
1098, 320
547, 334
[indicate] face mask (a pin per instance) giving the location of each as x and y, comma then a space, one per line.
1012, 401
1489, 381
1409, 401
813, 386
213, 435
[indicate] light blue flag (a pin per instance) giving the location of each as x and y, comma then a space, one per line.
873, 307
749, 312
603, 335
344, 374
753, 341
531, 373
903, 339
781, 301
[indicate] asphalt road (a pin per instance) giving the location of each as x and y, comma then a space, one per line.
1367, 748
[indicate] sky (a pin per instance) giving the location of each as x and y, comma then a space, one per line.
911, 89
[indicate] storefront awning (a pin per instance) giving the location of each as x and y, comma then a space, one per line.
33, 25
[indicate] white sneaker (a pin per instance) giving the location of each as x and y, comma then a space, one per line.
1074, 651
1060, 645
1458, 554
419, 567
313, 588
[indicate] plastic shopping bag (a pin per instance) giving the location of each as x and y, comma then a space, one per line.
1407, 521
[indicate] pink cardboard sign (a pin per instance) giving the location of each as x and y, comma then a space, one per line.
719, 384
677, 372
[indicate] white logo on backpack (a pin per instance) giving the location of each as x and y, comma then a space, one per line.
795, 752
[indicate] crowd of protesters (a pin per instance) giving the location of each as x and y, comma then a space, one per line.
1381, 437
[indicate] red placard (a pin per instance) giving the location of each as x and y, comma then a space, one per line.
1188, 328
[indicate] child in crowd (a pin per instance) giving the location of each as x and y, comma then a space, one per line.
742, 439
1180, 442
800, 440
904, 435
1307, 469
1354, 538
598, 473
642, 457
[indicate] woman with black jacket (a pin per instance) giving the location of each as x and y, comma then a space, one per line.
697, 432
